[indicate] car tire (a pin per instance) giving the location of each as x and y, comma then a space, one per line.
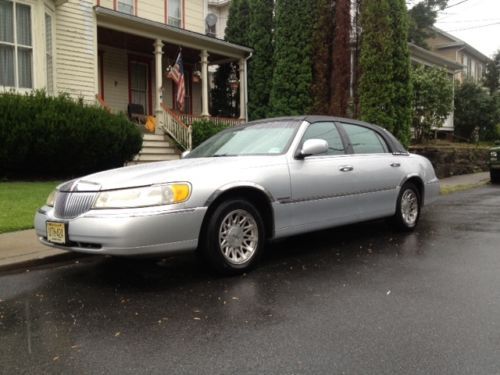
408, 208
234, 237
495, 176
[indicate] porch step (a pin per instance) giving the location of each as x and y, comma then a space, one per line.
156, 144
156, 147
154, 137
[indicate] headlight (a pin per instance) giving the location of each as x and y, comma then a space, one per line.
155, 195
51, 198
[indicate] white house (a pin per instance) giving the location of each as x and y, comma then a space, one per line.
116, 52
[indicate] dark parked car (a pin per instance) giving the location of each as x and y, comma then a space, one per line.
495, 163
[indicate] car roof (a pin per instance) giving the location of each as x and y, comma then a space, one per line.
394, 144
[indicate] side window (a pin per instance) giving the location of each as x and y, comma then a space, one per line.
328, 132
364, 140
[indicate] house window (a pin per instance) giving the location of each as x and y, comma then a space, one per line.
16, 48
126, 6
174, 12
49, 54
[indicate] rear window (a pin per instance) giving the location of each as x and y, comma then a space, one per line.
365, 140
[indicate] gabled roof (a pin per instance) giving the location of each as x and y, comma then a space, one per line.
458, 43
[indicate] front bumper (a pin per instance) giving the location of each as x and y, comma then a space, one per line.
135, 232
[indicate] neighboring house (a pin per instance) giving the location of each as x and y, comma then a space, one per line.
115, 52
422, 56
454, 49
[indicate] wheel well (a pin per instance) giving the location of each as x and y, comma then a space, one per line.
419, 185
255, 196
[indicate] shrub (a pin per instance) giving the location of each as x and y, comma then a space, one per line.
476, 112
42, 136
204, 129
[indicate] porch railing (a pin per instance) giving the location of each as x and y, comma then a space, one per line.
175, 127
228, 121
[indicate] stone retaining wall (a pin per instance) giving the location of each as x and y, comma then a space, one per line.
451, 161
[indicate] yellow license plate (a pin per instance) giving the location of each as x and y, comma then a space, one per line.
56, 232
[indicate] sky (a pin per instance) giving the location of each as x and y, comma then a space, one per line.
476, 22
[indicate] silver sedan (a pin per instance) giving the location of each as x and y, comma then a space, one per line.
241, 188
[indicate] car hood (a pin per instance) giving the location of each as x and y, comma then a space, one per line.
168, 171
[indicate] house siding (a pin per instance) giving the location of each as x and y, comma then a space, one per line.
76, 49
153, 10
115, 78
115, 63
195, 15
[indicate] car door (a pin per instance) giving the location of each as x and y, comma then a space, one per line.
379, 171
323, 186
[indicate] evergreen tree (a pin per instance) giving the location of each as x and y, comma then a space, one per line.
492, 75
341, 59
221, 96
376, 82
292, 76
356, 57
260, 66
236, 32
322, 50
238, 22
401, 72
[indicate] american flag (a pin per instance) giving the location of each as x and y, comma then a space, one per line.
177, 75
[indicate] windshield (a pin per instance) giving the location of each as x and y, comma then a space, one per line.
268, 138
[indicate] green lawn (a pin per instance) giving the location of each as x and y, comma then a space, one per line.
19, 201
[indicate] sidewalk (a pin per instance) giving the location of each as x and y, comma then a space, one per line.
22, 250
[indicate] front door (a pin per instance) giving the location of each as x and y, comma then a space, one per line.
140, 84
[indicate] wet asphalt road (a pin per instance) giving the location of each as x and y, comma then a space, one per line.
356, 300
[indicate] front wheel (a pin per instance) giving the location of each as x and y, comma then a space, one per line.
407, 208
234, 237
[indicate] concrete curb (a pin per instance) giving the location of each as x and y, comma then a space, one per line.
40, 262
450, 189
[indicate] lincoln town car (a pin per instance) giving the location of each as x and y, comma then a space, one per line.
240, 189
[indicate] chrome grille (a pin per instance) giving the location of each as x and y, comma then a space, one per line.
71, 205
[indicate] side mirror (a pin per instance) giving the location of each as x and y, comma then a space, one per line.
185, 153
313, 147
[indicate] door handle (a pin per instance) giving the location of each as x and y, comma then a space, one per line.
395, 165
346, 168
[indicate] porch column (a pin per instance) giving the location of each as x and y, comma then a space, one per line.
243, 89
158, 77
204, 83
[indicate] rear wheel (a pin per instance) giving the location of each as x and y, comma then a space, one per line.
234, 237
495, 176
408, 208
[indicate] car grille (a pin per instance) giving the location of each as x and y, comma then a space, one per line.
71, 205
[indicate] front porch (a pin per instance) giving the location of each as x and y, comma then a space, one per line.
133, 56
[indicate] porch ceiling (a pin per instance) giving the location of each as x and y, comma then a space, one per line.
138, 44
151, 30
